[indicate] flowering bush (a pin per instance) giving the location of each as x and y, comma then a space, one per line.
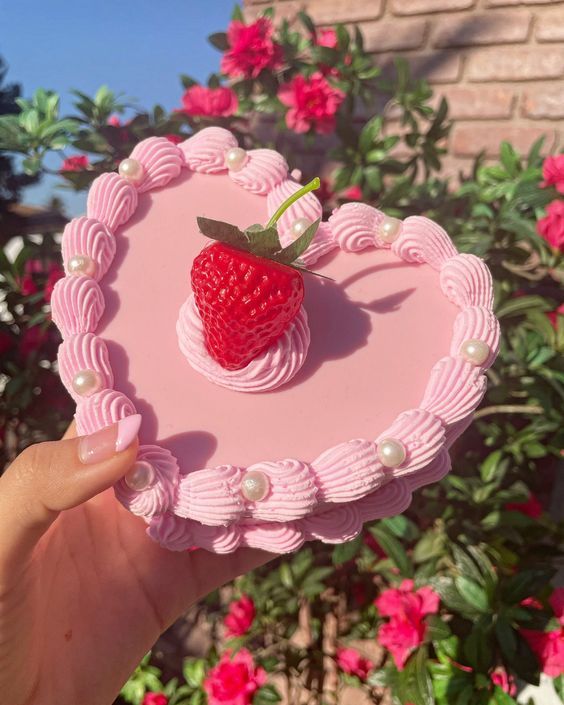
450, 603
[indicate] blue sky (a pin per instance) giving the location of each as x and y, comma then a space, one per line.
138, 48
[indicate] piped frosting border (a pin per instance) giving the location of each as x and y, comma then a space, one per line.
330, 497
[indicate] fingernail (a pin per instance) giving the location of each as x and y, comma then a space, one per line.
113, 439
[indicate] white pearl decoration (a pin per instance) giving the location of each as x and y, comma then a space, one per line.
236, 158
391, 452
475, 351
255, 485
299, 227
86, 382
389, 229
140, 477
132, 170
81, 264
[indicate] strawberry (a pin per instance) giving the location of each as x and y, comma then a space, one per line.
248, 288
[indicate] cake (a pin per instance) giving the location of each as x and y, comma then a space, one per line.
337, 421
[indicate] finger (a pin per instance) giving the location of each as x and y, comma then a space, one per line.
48, 478
71, 431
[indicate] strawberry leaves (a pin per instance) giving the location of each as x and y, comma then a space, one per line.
292, 252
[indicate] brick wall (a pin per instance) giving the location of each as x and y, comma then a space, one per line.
500, 63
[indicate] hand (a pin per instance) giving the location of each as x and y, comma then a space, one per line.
84, 593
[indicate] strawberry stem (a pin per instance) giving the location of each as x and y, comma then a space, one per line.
313, 184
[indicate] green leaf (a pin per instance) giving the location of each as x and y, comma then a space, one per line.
187, 81
306, 21
224, 232
394, 550
292, 252
437, 628
522, 304
466, 565
369, 133
506, 637
401, 526
525, 584
286, 577
488, 468
344, 552
429, 546
237, 14
472, 593
558, 684
501, 697
267, 694
263, 242
194, 671
415, 682
219, 41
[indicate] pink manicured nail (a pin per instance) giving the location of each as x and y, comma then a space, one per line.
113, 439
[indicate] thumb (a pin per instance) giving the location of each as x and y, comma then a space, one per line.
48, 478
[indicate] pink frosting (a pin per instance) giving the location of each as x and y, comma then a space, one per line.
84, 351
205, 151
322, 243
422, 240
466, 281
307, 206
211, 496
272, 368
263, 170
454, 389
337, 525
355, 225
219, 539
393, 498
292, 491
159, 497
348, 471
111, 200
278, 538
476, 323
162, 161
171, 532
86, 236
433, 472
77, 304
100, 410
423, 436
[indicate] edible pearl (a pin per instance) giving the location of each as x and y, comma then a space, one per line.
299, 227
140, 477
389, 229
391, 452
81, 264
235, 159
132, 170
475, 351
86, 382
255, 485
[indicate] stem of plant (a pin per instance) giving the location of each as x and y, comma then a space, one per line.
313, 184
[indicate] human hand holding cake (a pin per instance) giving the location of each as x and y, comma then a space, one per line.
343, 404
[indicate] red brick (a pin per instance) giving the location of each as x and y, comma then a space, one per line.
331, 11
420, 7
478, 102
439, 67
488, 28
512, 64
468, 140
544, 103
550, 26
393, 36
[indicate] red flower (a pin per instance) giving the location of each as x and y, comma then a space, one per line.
551, 227
175, 139
54, 273
326, 38
251, 49
27, 285
77, 163
373, 545
549, 649
155, 699
32, 339
353, 193
114, 121
313, 103
556, 601
210, 102
406, 629
241, 615
234, 681
553, 172
531, 508
351, 662
504, 680
553, 316
6, 342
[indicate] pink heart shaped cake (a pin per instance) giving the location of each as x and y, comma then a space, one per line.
277, 406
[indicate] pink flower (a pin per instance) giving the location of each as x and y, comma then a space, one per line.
77, 163
551, 227
553, 172
556, 601
531, 508
155, 699
175, 139
251, 49
353, 193
504, 680
114, 121
326, 38
27, 285
32, 339
351, 662
406, 608
241, 615
209, 102
234, 681
313, 103
553, 316
532, 602
549, 649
